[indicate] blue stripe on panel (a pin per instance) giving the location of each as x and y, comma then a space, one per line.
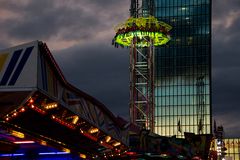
21, 65
10, 67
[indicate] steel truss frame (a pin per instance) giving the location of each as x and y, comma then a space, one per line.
142, 85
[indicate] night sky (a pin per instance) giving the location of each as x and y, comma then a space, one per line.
79, 34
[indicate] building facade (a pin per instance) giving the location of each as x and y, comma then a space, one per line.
233, 148
183, 69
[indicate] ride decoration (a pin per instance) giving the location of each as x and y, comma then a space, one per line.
142, 30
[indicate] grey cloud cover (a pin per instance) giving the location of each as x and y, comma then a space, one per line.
226, 66
79, 34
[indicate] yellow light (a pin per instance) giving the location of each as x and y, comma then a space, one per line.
44, 143
15, 114
81, 130
66, 150
17, 134
93, 130
7, 119
75, 119
51, 105
23, 109
53, 117
31, 100
101, 142
164, 155
107, 138
82, 156
116, 144
32, 106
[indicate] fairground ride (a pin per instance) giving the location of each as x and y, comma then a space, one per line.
142, 32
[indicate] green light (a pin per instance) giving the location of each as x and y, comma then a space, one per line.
144, 31
157, 38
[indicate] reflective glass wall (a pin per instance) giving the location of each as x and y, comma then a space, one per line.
233, 148
183, 69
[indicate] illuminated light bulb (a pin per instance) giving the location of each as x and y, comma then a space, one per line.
53, 117
81, 130
66, 150
7, 119
17, 134
50, 105
82, 156
32, 106
23, 109
15, 114
44, 143
94, 130
75, 119
31, 100
107, 139
116, 144
101, 142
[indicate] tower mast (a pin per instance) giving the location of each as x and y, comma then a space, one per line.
142, 73
141, 32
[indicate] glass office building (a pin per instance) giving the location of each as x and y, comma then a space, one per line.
183, 69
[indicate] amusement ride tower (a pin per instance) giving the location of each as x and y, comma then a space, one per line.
141, 33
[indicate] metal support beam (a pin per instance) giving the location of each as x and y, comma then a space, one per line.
142, 86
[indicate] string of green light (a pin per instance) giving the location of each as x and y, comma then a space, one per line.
157, 38
146, 22
143, 29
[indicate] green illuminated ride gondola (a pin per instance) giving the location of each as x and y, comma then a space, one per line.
143, 30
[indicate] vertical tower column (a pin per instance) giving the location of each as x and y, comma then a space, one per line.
142, 85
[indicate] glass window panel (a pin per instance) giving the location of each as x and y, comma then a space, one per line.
167, 101
167, 131
171, 132
163, 109
171, 110
207, 118
157, 129
163, 120
191, 108
162, 101
179, 108
175, 100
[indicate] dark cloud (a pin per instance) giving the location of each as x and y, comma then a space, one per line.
41, 20
71, 20
100, 70
226, 66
